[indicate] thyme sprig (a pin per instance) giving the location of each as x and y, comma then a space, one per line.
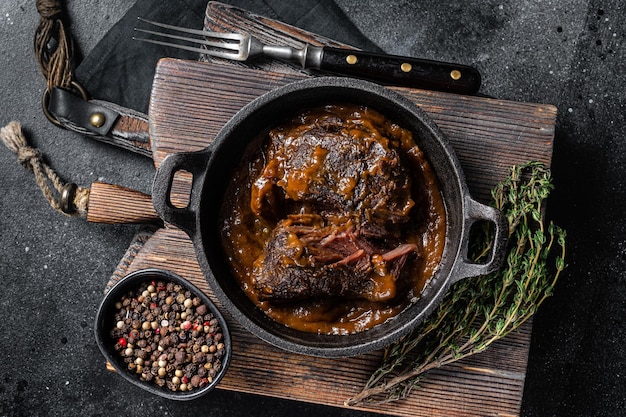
478, 311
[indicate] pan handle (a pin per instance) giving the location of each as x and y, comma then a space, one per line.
114, 204
475, 211
182, 217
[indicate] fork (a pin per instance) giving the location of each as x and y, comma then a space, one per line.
383, 68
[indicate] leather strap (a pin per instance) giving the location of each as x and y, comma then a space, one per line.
101, 120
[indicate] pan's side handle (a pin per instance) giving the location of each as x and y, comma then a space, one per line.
475, 211
181, 217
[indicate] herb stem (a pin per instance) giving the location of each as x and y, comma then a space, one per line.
478, 312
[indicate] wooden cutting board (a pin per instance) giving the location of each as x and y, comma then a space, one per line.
192, 100
189, 104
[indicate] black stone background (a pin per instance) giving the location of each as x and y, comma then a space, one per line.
53, 269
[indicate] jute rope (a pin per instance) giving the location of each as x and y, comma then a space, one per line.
54, 47
54, 51
49, 182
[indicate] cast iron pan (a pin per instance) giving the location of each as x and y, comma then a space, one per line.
212, 168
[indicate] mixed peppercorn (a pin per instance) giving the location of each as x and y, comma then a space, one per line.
167, 336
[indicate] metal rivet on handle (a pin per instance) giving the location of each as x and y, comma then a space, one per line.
406, 67
97, 119
455, 74
66, 201
351, 59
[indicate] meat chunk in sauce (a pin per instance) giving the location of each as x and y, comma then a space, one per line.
305, 257
337, 188
336, 164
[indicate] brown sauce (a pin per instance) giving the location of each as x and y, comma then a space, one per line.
251, 195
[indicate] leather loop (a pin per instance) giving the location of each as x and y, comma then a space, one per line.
101, 120
94, 118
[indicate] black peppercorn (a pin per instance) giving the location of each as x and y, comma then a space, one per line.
180, 356
196, 380
198, 357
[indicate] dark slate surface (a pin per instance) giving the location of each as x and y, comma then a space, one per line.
568, 53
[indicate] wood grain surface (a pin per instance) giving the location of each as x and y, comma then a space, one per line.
114, 204
488, 384
192, 100
189, 104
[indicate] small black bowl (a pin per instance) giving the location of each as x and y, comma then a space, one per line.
105, 322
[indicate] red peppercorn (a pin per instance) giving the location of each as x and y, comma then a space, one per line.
184, 379
122, 341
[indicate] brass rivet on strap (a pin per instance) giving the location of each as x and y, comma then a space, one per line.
406, 67
455, 74
97, 119
351, 59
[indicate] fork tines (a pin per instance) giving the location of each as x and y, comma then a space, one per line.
222, 45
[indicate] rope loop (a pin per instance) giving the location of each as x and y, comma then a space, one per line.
70, 204
54, 51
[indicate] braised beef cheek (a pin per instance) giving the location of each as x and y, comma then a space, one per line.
335, 217
337, 164
307, 257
